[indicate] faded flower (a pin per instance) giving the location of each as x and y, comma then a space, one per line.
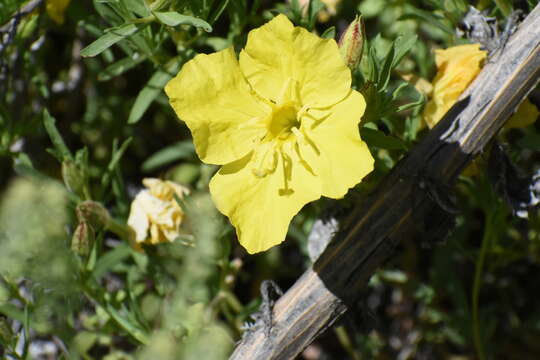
155, 216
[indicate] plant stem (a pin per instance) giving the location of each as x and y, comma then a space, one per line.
345, 341
477, 284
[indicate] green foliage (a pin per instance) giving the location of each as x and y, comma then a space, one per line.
83, 117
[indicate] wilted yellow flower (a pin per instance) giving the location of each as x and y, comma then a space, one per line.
283, 122
456, 69
56, 9
155, 215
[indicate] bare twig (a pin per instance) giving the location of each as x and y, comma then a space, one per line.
401, 203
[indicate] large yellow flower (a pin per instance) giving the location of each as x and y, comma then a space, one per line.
283, 122
155, 216
456, 69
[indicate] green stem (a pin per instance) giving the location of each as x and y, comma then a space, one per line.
345, 341
477, 284
120, 229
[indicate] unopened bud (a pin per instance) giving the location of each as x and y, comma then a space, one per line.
74, 177
351, 43
83, 239
93, 213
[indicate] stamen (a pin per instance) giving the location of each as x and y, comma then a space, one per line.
303, 161
304, 139
265, 159
287, 173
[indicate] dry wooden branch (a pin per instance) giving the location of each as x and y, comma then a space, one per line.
402, 204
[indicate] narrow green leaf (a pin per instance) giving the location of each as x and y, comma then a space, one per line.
152, 89
117, 155
379, 139
56, 138
217, 13
120, 67
127, 325
110, 259
435, 20
138, 7
329, 33
172, 18
386, 71
180, 150
110, 38
402, 45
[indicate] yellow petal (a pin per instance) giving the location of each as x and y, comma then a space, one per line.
456, 69
138, 219
212, 96
258, 207
343, 159
526, 114
277, 52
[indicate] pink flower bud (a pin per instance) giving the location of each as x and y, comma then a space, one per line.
351, 43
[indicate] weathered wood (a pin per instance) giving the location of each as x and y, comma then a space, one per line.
402, 205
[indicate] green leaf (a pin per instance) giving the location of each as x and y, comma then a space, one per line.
329, 33
433, 19
138, 7
151, 91
110, 38
59, 144
118, 154
180, 150
128, 324
110, 259
219, 10
379, 139
386, 71
402, 45
120, 67
172, 18
313, 10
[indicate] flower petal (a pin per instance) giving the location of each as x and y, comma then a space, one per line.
456, 69
278, 51
212, 96
343, 159
257, 206
138, 219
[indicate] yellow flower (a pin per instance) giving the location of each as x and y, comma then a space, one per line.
456, 69
56, 9
526, 115
283, 122
155, 216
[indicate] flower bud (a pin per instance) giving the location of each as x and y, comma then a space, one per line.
93, 213
351, 43
74, 176
83, 239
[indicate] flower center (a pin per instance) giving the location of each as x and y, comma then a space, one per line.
284, 119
